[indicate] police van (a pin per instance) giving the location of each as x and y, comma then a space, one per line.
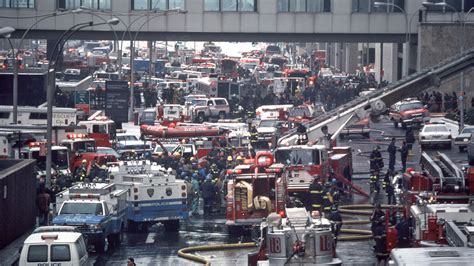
54, 246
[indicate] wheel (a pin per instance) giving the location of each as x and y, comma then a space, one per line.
221, 115
235, 229
171, 226
201, 117
116, 239
395, 124
99, 246
461, 149
404, 126
366, 135
448, 146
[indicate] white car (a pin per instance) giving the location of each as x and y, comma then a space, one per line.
435, 134
463, 139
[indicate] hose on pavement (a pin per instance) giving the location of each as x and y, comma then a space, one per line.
185, 252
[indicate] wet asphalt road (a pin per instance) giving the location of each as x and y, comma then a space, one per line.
157, 247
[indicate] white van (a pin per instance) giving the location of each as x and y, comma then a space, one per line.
54, 245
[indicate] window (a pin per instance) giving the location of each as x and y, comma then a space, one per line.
451, 5
81, 249
38, 116
92, 4
60, 253
211, 5
17, 3
304, 6
157, 4
230, 5
37, 253
4, 115
221, 102
367, 6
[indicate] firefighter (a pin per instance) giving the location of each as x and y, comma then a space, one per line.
375, 217
404, 150
380, 237
376, 160
327, 199
374, 185
253, 136
302, 134
316, 195
388, 186
208, 193
81, 172
336, 221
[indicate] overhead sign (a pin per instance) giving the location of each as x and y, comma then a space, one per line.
117, 101
82, 97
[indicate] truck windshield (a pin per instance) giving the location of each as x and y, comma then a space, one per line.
59, 159
199, 102
411, 106
84, 146
82, 208
300, 156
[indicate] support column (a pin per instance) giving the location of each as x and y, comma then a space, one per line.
49, 48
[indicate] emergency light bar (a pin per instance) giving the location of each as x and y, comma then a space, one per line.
36, 144
84, 196
49, 237
233, 171
76, 136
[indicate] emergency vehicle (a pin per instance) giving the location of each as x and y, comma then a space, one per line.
82, 148
37, 151
267, 112
54, 245
170, 113
97, 210
30, 115
254, 190
409, 111
155, 195
296, 239
101, 128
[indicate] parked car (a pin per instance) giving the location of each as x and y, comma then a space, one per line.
463, 139
435, 134
409, 112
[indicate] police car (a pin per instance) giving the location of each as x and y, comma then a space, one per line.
435, 134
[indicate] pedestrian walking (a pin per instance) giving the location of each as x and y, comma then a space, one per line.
43, 199
392, 152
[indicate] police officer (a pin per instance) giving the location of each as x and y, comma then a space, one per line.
376, 160
316, 195
388, 186
392, 153
380, 237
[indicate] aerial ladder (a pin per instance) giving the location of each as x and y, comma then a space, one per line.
325, 128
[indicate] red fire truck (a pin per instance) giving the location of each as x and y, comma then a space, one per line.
255, 189
100, 128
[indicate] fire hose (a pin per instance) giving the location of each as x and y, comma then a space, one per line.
185, 252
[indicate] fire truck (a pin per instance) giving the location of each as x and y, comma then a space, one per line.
101, 128
82, 148
170, 113
297, 239
97, 210
155, 195
255, 189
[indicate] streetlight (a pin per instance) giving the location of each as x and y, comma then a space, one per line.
406, 61
5, 32
58, 48
16, 61
462, 22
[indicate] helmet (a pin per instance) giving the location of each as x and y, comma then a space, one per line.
84, 161
229, 158
410, 169
239, 157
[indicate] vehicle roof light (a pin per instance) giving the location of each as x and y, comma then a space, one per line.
84, 196
76, 136
49, 237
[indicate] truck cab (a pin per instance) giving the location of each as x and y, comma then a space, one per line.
95, 209
59, 156
101, 128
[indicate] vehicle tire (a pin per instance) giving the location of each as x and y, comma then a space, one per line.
132, 227
235, 230
171, 225
366, 135
116, 239
404, 126
99, 246
395, 124
221, 115
200, 118
448, 146
461, 149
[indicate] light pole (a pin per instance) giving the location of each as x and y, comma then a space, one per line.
6, 32
406, 61
15, 56
58, 48
462, 22
155, 14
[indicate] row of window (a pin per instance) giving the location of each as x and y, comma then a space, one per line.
360, 6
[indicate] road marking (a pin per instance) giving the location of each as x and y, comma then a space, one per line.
150, 238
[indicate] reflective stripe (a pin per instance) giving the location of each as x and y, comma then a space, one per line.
316, 192
325, 197
316, 205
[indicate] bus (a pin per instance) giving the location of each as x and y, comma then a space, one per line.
30, 115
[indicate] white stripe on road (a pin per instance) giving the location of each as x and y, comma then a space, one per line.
150, 238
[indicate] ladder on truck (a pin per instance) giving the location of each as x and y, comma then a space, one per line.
443, 169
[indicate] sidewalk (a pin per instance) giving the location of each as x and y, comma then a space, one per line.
10, 254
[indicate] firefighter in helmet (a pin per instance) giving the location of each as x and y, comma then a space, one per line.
376, 160
253, 136
81, 172
316, 194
